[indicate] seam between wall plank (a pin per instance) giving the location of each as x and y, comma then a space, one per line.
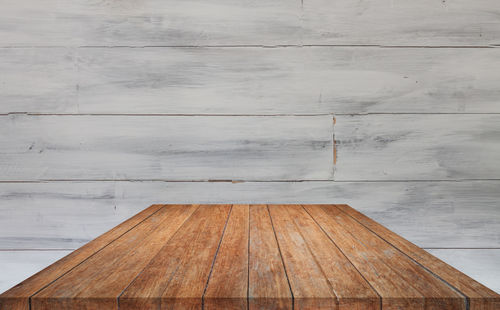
494, 45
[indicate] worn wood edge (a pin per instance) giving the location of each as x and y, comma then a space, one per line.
19, 296
478, 296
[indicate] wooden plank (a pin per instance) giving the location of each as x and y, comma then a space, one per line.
430, 214
178, 274
153, 22
156, 22
479, 264
90, 287
268, 283
404, 284
401, 23
166, 148
250, 80
17, 266
17, 298
227, 287
417, 147
321, 277
480, 296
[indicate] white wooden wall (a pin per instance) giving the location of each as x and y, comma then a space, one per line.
108, 106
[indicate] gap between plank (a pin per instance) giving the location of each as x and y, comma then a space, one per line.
467, 299
215, 257
281, 256
29, 299
119, 295
359, 272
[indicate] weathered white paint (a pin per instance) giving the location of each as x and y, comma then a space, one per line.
15, 266
417, 147
68, 214
307, 80
167, 148
401, 22
259, 22
480, 264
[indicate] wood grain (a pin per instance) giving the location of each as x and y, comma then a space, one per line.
268, 283
177, 276
88, 287
17, 298
268, 81
155, 22
417, 147
19, 265
321, 277
229, 276
479, 264
480, 296
260, 257
403, 278
173, 148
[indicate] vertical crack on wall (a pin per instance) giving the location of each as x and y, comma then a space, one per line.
334, 147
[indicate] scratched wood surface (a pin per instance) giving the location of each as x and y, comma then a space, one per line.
222, 22
203, 257
250, 80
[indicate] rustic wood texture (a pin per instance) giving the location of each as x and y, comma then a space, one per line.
417, 147
156, 22
18, 297
251, 256
179, 148
250, 80
480, 297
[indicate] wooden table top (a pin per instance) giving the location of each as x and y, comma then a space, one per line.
249, 257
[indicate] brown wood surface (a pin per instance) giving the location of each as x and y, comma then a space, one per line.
177, 276
17, 298
373, 257
99, 281
228, 285
268, 283
480, 297
250, 257
320, 275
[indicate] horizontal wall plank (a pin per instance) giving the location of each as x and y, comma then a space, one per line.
430, 214
15, 266
406, 22
480, 264
223, 22
166, 148
417, 147
309, 80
